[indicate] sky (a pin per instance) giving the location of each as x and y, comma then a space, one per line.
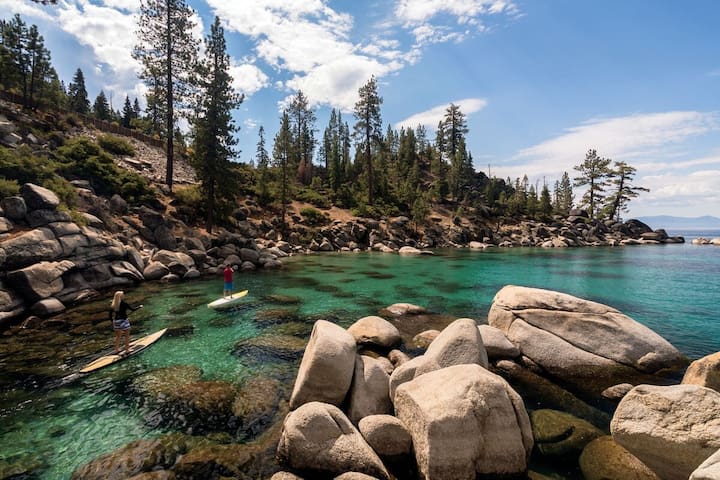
540, 81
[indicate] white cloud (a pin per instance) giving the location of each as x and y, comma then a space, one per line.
430, 19
248, 79
310, 40
634, 138
688, 195
25, 9
657, 144
250, 124
430, 118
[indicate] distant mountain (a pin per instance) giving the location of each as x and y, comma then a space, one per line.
682, 223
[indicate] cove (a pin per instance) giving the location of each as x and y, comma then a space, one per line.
50, 428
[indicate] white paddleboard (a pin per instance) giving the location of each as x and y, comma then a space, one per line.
227, 302
136, 347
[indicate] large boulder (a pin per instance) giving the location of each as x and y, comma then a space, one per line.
578, 340
709, 469
459, 343
319, 437
30, 247
604, 459
369, 392
704, 372
386, 435
465, 421
41, 280
14, 207
496, 343
327, 366
671, 429
374, 330
39, 198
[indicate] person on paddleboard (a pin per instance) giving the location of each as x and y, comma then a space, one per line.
119, 316
228, 273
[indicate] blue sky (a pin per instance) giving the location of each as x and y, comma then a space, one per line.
541, 82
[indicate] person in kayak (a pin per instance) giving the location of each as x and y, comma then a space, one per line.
119, 317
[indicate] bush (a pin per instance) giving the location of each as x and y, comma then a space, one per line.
115, 145
313, 217
82, 158
189, 196
8, 188
313, 197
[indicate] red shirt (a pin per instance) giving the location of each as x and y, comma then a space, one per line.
228, 274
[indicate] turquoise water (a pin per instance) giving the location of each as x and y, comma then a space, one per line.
673, 289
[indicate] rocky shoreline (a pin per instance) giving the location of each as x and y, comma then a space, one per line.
51, 260
466, 407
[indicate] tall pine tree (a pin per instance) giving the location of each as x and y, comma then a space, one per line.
77, 94
168, 54
281, 156
302, 128
621, 177
594, 173
101, 107
262, 159
368, 129
213, 126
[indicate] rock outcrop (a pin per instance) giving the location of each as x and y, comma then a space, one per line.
459, 343
465, 421
670, 429
704, 372
327, 366
319, 437
579, 341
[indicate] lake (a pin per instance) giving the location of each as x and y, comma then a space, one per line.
673, 289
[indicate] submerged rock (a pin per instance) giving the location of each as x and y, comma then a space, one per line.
561, 434
604, 459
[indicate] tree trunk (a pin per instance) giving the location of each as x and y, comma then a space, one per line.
170, 122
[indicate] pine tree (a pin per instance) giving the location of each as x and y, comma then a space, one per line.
101, 107
621, 177
281, 156
565, 196
213, 126
39, 65
128, 114
451, 144
593, 173
545, 208
368, 129
168, 53
77, 94
262, 159
302, 127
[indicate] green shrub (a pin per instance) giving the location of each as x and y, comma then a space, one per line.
84, 159
189, 196
313, 197
8, 188
313, 216
115, 145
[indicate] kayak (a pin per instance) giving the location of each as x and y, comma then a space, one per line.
227, 302
136, 347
